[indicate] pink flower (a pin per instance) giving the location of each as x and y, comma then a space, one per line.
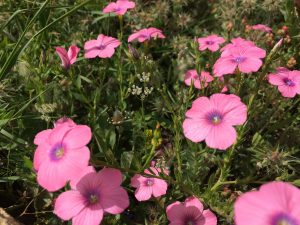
190, 212
95, 195
212, 119
274, 203
61, 154
288, 82
246, 58
103, 47
261, 27
120, 7
148, 186
67, 58
211, 43
191, 76
146, 34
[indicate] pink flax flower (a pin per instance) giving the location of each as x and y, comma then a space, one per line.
61, 154
261, 27
246, 59
148, 186
95, 195
120, 7
190, 212
191, 76
275, 203
288, 82
211, 42
103, 47
67, 57
146, 34
212, 119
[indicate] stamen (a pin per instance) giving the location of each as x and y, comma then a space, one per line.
149, 182
210, 42
93, 199
289, 82
239, 59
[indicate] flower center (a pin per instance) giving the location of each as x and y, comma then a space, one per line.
289, 82
93, 199
190, 222
149, 182
284, 219
57, 152
101, 47
214, 117
118, 9
210, 42
239, 59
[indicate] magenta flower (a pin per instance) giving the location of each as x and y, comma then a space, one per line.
95, 195
191, 76
61, 154
148, 186
211, 42
103, 47
120, 7
262, 27
288, 82
67, 58
246, 58
275, 203
190, 212
212, 119
146, 34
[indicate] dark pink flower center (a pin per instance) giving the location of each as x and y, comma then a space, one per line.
101, 47
57, 152
214, 117
210, 42
190, 221
117, 9
239, 59
289, 82
284, 219
149, 182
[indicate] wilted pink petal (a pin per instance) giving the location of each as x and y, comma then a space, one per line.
67, 58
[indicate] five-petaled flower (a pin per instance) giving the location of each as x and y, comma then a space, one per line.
146, 34
211, 43
67, 57
191, 76
120, 7
103, 47
190, 212
288, 82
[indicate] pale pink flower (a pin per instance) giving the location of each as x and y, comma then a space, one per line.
146, 34
148, 186
288, 82
120, 7
191, 76
95, 195
275, 203
211, 43
246, 58
103, 47
190, 212
61, 154
67, 58
262, 27
212, 119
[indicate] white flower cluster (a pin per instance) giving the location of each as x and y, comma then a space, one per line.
144, 77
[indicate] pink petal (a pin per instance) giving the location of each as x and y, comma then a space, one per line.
40, 155
199, 108
143, 193
63, 55
126, 4
134, 36
224, 66
41, 137
69, 204
250, 65
111, 7
77, 137
286, 91
193, 202
221, 136
111, 42
106, 53
213, 47
72, 53
115, 200
137, 180
175, 213
75, 180
58, 133
207, 218
89, 216
276, 79
159, 187
255, 52
196, 129
110, 177
65, 121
